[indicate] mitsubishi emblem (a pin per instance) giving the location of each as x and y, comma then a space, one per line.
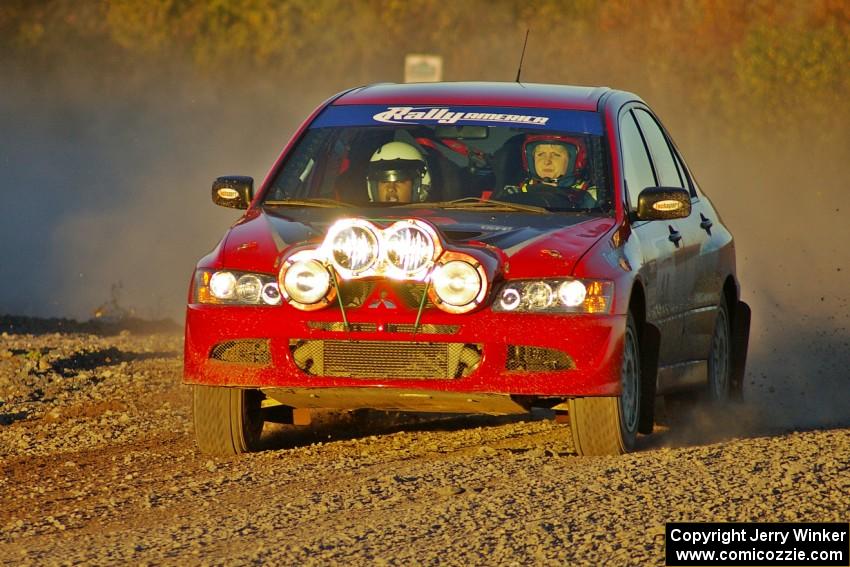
382, 301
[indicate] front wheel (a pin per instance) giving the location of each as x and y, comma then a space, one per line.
608, 425
227, 420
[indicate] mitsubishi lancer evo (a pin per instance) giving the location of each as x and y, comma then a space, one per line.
471, 248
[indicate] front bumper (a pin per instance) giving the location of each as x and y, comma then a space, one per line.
593, 346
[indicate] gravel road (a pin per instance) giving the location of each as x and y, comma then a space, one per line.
99, 466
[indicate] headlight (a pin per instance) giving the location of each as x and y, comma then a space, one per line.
271, 293
409, 250
510, 299
555, 296
352, 247
458, 283
572, 293
305, 282
248, 288
225, 287
538, 296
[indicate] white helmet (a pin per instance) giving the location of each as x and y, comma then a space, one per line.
396, 161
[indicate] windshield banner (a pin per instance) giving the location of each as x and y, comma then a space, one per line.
535, 118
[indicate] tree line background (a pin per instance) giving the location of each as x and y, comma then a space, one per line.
118, 113
772, 64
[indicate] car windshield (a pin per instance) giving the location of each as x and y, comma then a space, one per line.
513, 159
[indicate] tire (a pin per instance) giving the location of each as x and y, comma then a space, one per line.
608, 425
227, 420
720, 358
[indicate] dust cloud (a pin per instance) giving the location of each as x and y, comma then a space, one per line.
108, 186
788, 213
106, 193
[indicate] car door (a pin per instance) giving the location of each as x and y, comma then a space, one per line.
700, 274
670, 174
660, 243
705, 229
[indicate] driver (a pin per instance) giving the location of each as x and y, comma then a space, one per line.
551, 163
397, 173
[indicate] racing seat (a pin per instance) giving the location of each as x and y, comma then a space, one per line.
507, 165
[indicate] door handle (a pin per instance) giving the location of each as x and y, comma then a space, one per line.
675, 236
706, 223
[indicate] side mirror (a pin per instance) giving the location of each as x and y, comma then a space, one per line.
663, 203
233, 191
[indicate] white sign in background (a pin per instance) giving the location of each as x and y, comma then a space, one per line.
422, 68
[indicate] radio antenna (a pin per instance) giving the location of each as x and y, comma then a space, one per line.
521, 57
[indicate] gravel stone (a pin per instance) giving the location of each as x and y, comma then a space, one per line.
98, 465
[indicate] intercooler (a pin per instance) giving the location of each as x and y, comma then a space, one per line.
385, 359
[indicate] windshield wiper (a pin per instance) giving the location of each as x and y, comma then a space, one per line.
326, 203
476, 204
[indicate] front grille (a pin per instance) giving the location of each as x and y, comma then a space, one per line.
339, 326
425, 329
385, 359
537, 359
242, 351
411, 293
355, 292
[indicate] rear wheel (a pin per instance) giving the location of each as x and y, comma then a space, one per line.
720, 358
227, 420
608, 425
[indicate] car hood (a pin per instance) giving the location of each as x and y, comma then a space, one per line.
531, 245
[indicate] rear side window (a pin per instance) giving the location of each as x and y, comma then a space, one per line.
683, 173
662, 157
637, 168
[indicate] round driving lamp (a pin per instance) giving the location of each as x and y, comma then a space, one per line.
305, 283
409, 250
352, 248
458, 286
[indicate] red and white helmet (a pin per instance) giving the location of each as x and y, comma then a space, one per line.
575, 149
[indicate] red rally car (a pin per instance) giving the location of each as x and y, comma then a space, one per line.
469, 248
